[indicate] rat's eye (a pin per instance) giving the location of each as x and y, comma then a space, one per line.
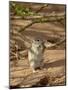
38, 40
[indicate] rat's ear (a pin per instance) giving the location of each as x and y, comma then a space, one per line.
44, 43
33, 41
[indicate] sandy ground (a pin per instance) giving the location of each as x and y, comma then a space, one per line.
54, 67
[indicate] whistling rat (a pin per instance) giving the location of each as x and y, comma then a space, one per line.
35, 54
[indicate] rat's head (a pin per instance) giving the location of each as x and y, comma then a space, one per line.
37, 42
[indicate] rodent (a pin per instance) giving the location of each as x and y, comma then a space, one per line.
35, 54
